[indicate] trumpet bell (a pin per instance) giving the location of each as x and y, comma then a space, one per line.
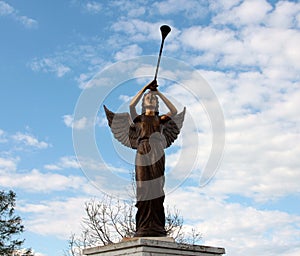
165, 30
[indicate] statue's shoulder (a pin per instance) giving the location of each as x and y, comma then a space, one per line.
138, 119
164, 118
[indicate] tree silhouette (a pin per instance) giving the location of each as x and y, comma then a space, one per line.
10, 226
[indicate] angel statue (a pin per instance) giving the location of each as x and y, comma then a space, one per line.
149, 133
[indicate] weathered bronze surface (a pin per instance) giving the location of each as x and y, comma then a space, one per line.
149, 133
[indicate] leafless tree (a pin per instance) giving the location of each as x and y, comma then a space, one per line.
111, 220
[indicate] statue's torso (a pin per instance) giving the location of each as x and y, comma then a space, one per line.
148, 125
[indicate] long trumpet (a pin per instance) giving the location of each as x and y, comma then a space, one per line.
165, 30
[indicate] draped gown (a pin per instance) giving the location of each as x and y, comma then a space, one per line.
149, 135
149, 171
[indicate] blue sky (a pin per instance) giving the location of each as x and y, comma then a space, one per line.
247, 51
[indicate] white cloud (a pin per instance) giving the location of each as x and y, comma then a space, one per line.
5, 9
84, 122
135, 12
128, 52
284, 15
29, 140
131, 8
273, 51
27, 22
68, 120
138, 30
80, 124
83, 80
58, 218
36, 181
125, 98
240, 229
221, 6
63, 163
8, 10
249, 12
273, 47
49, 65
93, 7
8, 164
2, 136
262, 125
192, 9
87, 57
206, 38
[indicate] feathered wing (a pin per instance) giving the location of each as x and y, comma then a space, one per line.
171, 128
122, 128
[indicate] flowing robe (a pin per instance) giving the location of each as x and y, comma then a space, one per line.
149, 135
149, 173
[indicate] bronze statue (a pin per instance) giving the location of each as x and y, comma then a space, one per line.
148, 133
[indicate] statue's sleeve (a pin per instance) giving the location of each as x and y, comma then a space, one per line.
171, 127
122, 127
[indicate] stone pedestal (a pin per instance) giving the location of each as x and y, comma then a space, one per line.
153, 246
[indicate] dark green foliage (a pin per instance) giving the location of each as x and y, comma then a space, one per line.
10, 225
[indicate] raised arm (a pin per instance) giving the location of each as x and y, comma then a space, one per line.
169, 104
138, 96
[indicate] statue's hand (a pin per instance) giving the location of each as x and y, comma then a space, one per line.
152, 86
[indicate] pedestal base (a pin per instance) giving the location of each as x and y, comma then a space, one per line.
145, 246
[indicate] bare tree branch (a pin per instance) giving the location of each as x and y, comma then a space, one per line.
110, 220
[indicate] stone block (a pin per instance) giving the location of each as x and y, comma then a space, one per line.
151, 246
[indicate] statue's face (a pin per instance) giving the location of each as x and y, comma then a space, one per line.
150, 101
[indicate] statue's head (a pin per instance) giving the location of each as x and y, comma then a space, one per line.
150, 101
